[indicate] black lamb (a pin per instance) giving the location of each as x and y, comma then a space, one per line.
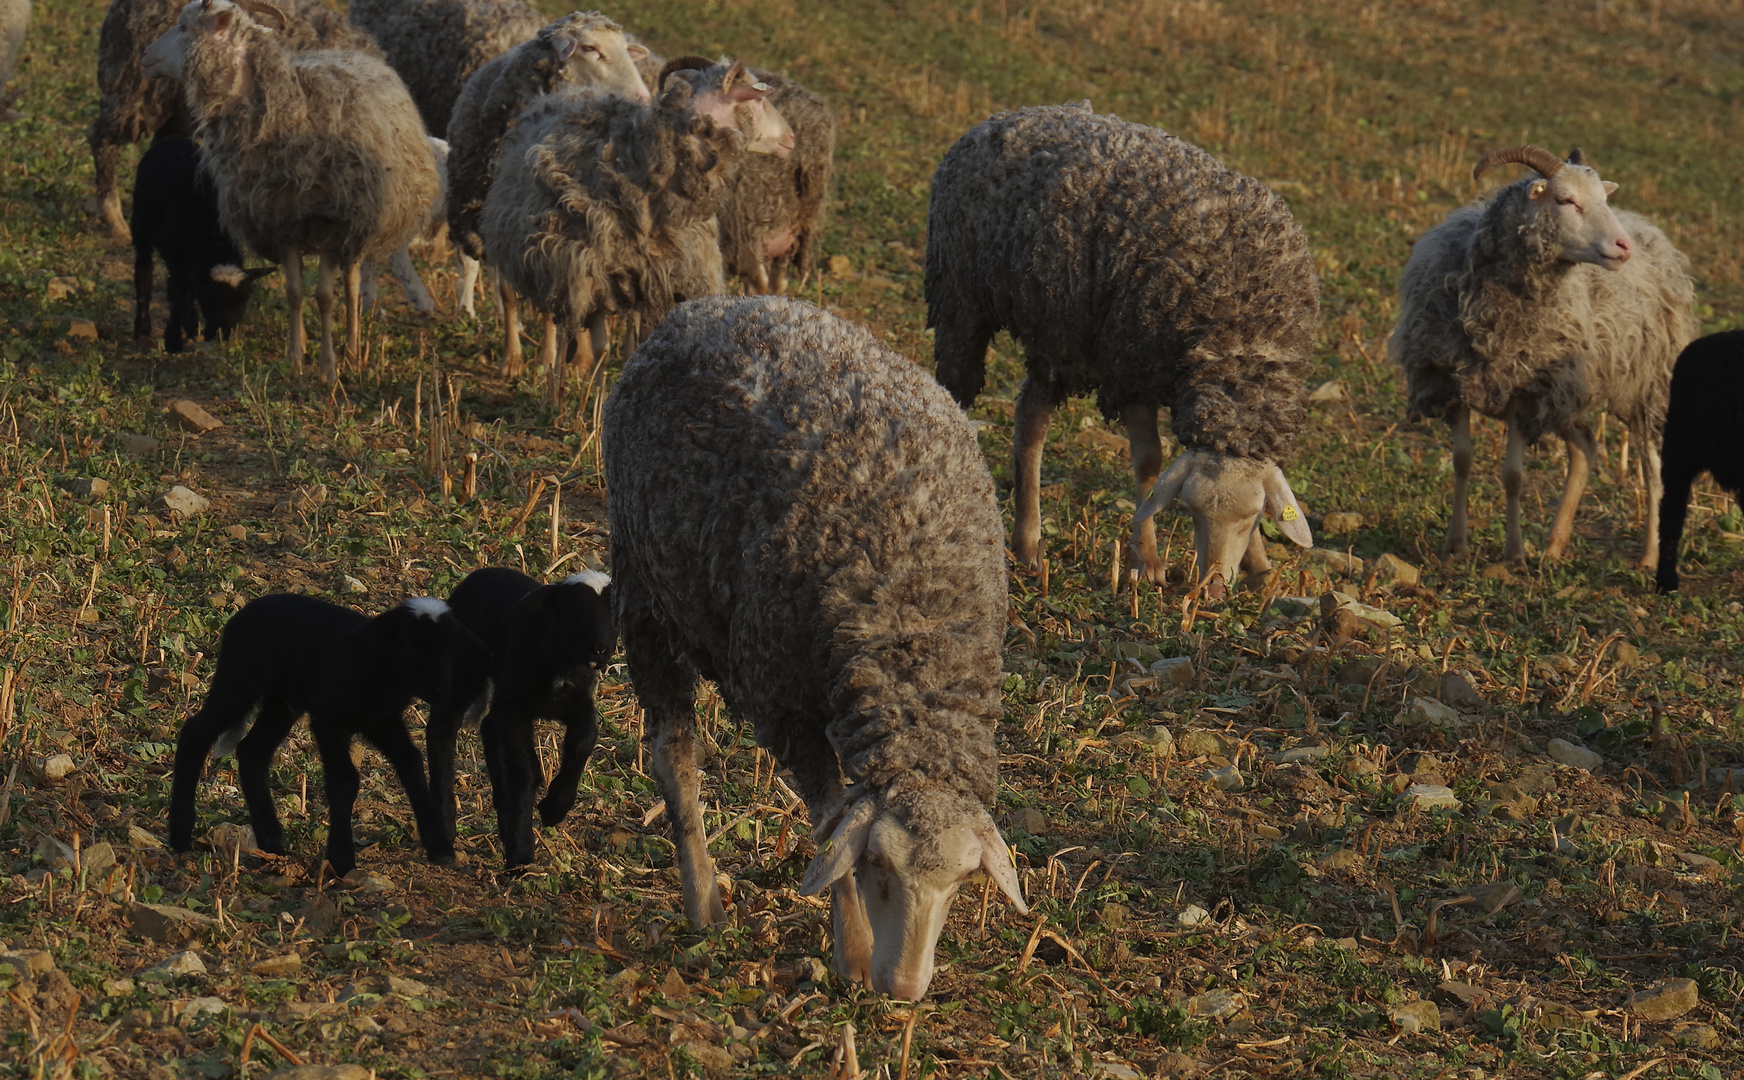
1704, 432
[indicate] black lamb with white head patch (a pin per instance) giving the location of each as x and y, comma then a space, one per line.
547, 646
175, 214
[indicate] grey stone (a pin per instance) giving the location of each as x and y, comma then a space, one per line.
1336, 561
1193, 915
28, 963
1578, 757
1214, 1004
195, 1008
1330, 392
1298, 755
1174, 672
1455, 689
86, 487
1342, 859
1176, 1064
1228, 778
275, 966
137, 445
1340, 522
1431, 797
1116, 1071
161, 922
301, 500
1415, 1016
323, 1072
1030, 820
1665, 1001
182, 963
183, 502
53, 768
1202, 743
1396, 570
139, 838
1426, 710
97, 860
349, 584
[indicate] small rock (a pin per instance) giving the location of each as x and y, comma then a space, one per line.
1426, 710
1330, 392
227, 837
1113, 916
161, 922
1578, 757
182, 963
1030, 820
1342, 859
1299, 755
715, 1060
96, 860
1176, 1064
1430, 797
624, 982
1498, 572
1415, 1016
409, 988
1494, 896
1359, 768
1537, 780
80, 329
52, 769
1396, 570
1193, 915
139, 838
1340, 522
28, 963
117, 987
349, 584
1464, 993
86, 487
364, 883
1228, 778
1155, 738
301, 500
1456, 690
1665, 1001
1626, 654
183, 502
1214, 1004
195, 1008
1175, 671
323, 1072
1727, 777
1712, 869
1696, 1037
275, 966
841, 266
190, 416
1554, 1014
1358, 672
1202, 743
1336, 561
137, 445
1116, 1071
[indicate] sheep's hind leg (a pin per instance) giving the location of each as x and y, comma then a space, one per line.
514, 362
226, 706
1513, 475
389, 735
1147, 465
295, 342
512, 754
354, 316
339, 777
1581, 451
1035, 406
1650, 459
324, 305
254, 756
1454, 547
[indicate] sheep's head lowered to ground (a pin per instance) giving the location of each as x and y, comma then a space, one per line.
733, 100
1226, 496
596, 53
906, 868
1569, 201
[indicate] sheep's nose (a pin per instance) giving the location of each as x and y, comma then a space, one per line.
904, 987
1624, 248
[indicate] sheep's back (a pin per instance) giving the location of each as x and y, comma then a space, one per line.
133, 105
1112, 251
810, 514
437, 45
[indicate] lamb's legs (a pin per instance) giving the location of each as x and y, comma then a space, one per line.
353, 316
512, 753
513, 361
339, 777
1650, 459
1513, 475
1035, 406
324, 305
1581, 451
254, 756
1454, 547
227, 705
389, 735
580, 733
1147, 464
295, 342
600, 339
142, 275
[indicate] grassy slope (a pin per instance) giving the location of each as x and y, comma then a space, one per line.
1367, 116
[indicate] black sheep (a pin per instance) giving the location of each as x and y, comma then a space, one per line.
284, 655
547, 645
1704, 426
175, 214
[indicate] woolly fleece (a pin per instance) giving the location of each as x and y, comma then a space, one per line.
436, 45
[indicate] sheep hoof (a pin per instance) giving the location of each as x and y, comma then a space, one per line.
553, 814
443, 858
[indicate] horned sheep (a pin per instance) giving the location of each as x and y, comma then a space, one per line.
799, 515
1538, 305
602, 204
316, 152
580, 49
1130, 263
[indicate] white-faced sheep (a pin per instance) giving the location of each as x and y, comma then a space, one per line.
317, 153
1129, 263
580, 49
175, 214
436, 45
14, 21
1539, 305
602, 204
1704, 432
286, 655
136, 106
773, 217
547, 645
801, 516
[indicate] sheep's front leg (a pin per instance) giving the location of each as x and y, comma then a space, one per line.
142, 275
406, 273
1147, 464
548, 344
339, 777
295, 342
353, 316
512, 754
1454, 547
1650, 459
514, 362
1513, 475
388, 734
1035, 406
324, 305
1581, 450
580, 733
106, 155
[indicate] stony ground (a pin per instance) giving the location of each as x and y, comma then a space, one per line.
1379, 816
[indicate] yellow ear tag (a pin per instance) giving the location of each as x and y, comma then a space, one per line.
1289, 513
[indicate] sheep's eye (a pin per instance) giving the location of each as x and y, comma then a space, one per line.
1566, 201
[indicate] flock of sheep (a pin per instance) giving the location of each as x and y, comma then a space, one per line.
797, 513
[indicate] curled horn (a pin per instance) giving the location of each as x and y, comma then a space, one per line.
1535, 157
264, 12
683, 63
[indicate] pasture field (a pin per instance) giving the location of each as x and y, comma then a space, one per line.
1309, 920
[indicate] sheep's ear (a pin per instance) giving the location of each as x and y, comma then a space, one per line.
221, 23
996, 861
1537, 190
565, 49
1282, 507
837, 855
1166, 490
1609, 186
637, 51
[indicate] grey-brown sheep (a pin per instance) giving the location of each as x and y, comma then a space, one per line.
436, 45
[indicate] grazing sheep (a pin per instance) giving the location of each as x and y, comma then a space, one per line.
774, 214
436, 45
799, 515
285, 655
547, 646
14, 20
1538, 305
316, 152
1704, 432
1129, 263
135, 105
602, 204
175, 213
580, 49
